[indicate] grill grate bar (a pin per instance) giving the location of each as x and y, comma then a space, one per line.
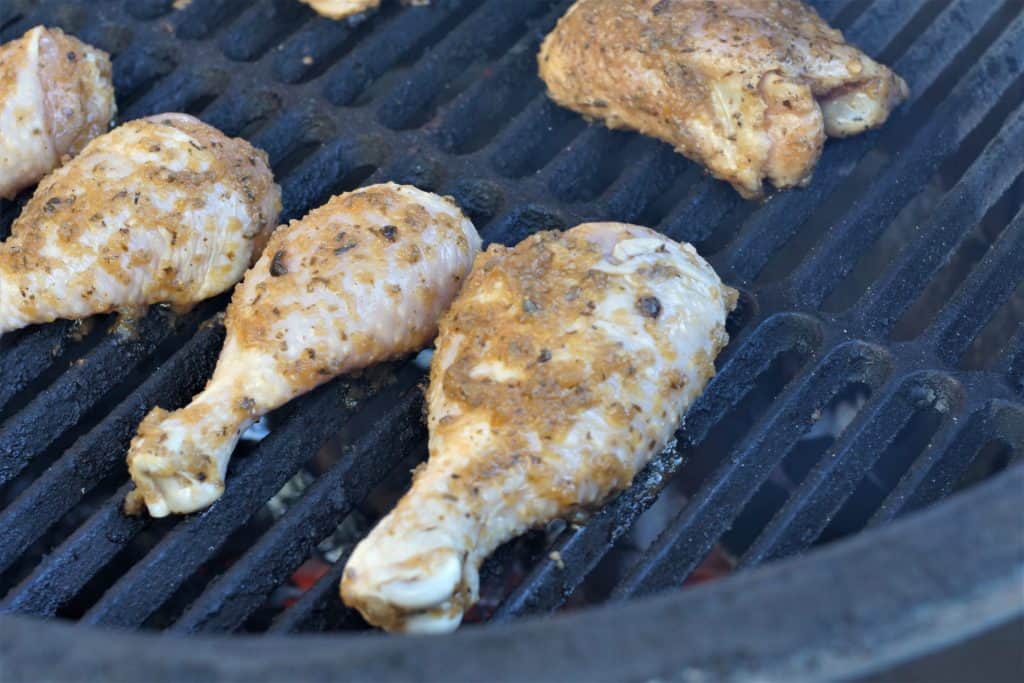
960, 210
60, 407
179, 91
895, 15
551, 582
1012, 362
97, 455
319, 608
330, 169
65, 571
308, 422
505, 87
260, 26
991, 283
402, 36
823, 492
950, 457
696, 218
641, 184
526, 143
692, 534
929, 56
481, 33
31, 357
200, 19
226, 604
318, 41
954, 119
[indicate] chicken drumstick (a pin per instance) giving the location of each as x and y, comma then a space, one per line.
55, 96
360, 280
565, 364
159, 210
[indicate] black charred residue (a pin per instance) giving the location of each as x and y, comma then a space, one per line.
545, 356
347, 246
649, 307
277, 266
72, 57
389, 232
247, 404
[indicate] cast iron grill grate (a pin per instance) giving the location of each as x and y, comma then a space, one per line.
893, 284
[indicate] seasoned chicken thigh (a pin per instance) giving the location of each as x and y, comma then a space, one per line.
55, 96
160, 210
362, 279
748, 88
340, 9
565, 364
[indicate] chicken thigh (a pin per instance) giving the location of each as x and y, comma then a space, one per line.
362, 279
748, 88
55, 96
563, 367
159, 210
340, 9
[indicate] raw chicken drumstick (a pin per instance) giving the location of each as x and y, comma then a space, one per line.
159, 210
340, 9
55, 96
565, 364
360, 280
748, 88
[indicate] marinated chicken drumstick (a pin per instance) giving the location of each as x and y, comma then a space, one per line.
564, 365
160, 210
748, 88
55, 96
340, 9
362, 279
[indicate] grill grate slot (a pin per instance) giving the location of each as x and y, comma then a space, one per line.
689, 538
951, 457
447, 97
484, 33
309, 421
28, 355
954, 119
983, 190
228, 602
830, 484
991, 283
82, 387
99, 453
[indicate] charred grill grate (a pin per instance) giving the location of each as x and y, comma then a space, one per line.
895, 278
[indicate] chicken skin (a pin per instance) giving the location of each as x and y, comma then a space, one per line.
55, 96
341, 9
748, 88
362, 279
563, 367
159, 210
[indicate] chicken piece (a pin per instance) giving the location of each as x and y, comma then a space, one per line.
341, 9
562, 368
55, 96
159, 210
362, 279
748, 88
